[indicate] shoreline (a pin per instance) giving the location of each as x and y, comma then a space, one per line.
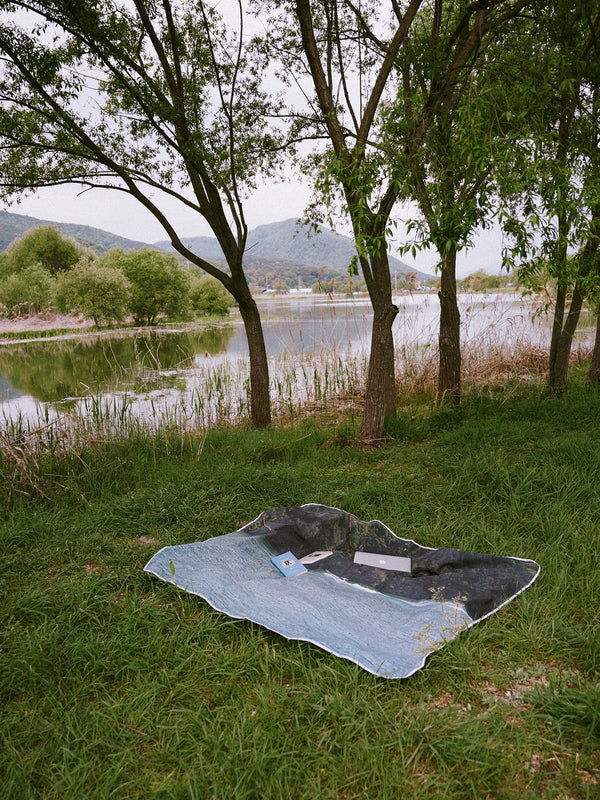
50, 320
44, 321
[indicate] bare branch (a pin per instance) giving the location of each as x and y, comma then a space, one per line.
386, 67
322, 86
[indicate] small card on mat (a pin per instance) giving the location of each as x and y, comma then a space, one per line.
318, 555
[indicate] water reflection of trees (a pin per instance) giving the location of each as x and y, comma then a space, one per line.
53, 371
214, 340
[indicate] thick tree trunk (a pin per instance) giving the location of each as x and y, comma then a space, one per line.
380, 397
260, 401
593, 377
560, 354
449, 337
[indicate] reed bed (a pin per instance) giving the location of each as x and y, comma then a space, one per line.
315, 384
220, 394
497, 358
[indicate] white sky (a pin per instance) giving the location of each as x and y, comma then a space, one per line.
120, 214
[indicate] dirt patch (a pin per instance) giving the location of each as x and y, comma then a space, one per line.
47, 320
145, 540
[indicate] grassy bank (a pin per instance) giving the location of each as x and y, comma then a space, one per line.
112, 685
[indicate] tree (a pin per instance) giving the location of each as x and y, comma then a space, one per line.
156, 99
351, 53
451, 175
559, 167
26, 291
481, 281
42, 245
157, 284
98, 292
207, 296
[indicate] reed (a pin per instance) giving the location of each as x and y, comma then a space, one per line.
219, 394
500, 358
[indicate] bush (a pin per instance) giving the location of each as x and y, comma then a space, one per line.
99, 293
27, 291
480, 281
158, 285
42, 245
209, 297
281, 287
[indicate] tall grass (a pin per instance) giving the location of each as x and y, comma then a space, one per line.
314, 382
500, 353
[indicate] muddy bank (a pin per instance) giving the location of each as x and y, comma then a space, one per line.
40, 322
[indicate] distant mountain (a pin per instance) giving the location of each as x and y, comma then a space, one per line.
15, 225
291, 242
281, 248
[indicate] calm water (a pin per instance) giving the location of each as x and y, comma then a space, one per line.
315, 345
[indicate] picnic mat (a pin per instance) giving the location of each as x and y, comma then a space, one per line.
384, 619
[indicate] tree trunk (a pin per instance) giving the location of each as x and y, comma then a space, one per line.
260, 401
592, 246
558, 376
557, 326
593, 377
449, 338
380, 396
560, 265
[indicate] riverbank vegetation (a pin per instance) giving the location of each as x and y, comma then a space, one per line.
44, 270
184, 377
114, 685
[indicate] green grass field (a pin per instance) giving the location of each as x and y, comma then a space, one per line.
115, 686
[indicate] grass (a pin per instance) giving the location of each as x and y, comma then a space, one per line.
114, 686
8, 336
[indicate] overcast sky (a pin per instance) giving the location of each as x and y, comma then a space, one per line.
120, 214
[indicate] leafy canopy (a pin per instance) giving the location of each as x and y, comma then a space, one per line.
99, 293
29, 290
157, 284
43, 245
208, 296
551, 190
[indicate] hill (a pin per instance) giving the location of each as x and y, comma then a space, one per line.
15, 225
280, 249
292, 243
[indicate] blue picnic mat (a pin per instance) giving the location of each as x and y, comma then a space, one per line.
386, 621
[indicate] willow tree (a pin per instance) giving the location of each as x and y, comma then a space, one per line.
160, 100
452, 175
575, 180
346, 58
555, 209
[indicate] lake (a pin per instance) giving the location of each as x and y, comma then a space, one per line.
194, 374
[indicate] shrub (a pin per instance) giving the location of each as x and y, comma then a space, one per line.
27, 291
480, 281
208, 296
281, 287
42, 245
99, 293
158, 285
